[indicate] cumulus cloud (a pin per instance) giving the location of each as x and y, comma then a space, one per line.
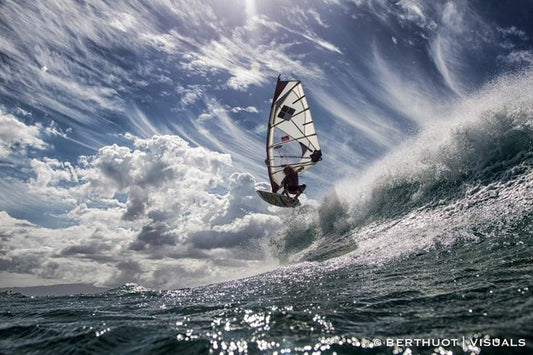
250, 109
190, 94
155, 199
16, 135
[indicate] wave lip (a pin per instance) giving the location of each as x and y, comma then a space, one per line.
471, 170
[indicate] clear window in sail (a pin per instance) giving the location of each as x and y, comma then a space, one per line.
286, 113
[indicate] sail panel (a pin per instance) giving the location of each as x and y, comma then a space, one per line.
291, 139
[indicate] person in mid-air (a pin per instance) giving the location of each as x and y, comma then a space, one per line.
290, 183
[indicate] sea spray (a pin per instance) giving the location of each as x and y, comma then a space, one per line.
476, 162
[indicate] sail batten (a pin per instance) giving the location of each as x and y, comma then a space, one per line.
291, 137
298, 99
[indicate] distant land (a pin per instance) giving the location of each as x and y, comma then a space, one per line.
56, 290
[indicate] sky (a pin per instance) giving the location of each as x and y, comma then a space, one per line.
132, 134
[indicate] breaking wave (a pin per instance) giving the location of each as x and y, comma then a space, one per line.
468, 174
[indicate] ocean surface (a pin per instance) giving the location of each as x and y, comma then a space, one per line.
435, 256
454, 296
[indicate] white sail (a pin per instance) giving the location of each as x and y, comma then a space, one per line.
291, 138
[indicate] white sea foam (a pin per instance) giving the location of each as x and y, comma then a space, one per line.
469, 176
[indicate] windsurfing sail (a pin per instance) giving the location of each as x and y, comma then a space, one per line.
291, 138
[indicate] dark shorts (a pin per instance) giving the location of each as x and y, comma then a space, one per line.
296, 189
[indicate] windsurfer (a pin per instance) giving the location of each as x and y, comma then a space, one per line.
290, 183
